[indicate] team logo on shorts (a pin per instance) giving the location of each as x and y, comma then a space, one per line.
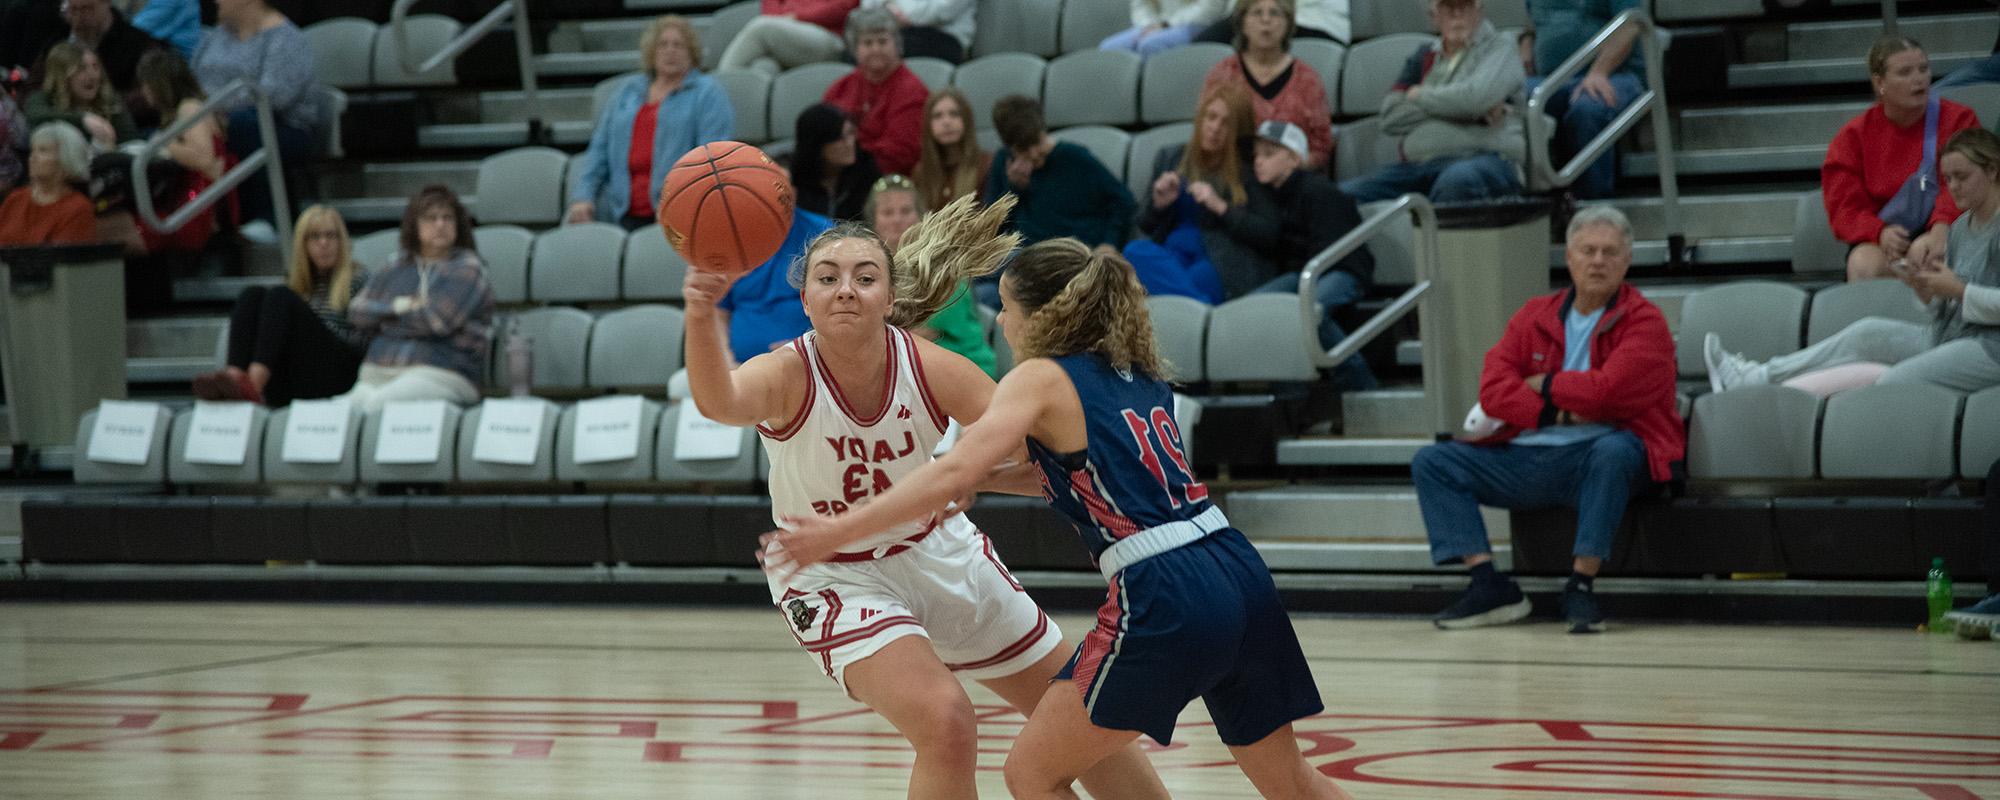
802, 615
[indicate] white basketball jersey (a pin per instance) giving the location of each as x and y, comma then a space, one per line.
831, 456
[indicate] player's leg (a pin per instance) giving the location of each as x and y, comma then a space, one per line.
1122, 774
907, 684
1059, 745
1276, 767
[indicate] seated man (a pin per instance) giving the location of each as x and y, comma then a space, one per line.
1063, 190
1580, 395
1586, 104
1460, 140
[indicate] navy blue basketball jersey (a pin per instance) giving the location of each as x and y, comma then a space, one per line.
1134, 475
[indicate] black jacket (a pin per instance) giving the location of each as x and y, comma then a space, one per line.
1312, 214
850, 192
1241, 265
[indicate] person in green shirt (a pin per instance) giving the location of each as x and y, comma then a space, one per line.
893, 206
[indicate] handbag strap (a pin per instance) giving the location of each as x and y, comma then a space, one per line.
1929, 165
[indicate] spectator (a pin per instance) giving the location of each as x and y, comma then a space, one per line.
1460, 139
830, 173
13, 141
931, 28
50, 209
1317, 19
295, 342
1580, 394
952, 165
1186, 244
1062, 188
789, 33
253, 43
1980, 620
1960, 349
882, 95
1159, 25
1875, 198
174, 22
672, 105
1280, 87
1586, 104
1312, 214
169, 87
430, 311
95, 26
73, 91
893, 206
762, 312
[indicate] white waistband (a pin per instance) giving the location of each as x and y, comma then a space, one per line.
1159, 539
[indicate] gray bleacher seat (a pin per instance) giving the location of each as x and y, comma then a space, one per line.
1171, 81
1086, 23
1147, 146
1813, 247
1838, 306
1370, 20
723, 26
473, 470
1325, 57
987, 79
523, 186
153, 472
600, 93
184, 472
1180, 325
504, 248
561, 338
1016, 26
1394, 249
797, 89
577, 263
750, 94
346, 470
1979, 435
1510, 14
988, 319
1982, 98
441, 470
654, 270
1758, 319
741, 469
1091, 87
1360, 147
934, 72
343, 49
1890, 431
429, 33
1371, 68
374, 250
635, 469
1755, 432
333, 108
1258, 338
635, 349
1003, 353
1109, 144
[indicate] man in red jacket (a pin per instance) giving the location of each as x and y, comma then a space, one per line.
1579, 410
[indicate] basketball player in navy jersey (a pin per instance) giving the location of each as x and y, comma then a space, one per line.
1192, 610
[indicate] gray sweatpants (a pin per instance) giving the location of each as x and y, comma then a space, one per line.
781, 44
1960, 365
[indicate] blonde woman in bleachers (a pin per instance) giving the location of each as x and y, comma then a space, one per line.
75, 90
430, 311
294, 341
1280, 87
952, 164
1161, 25
669, 108
1952, 270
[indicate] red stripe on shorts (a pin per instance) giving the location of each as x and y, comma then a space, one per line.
1018, 647
1098, 644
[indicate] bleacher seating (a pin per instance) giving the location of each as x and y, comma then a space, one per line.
1085, 24
1172, 78
428, 34
523, 186
1017, 26
1180, 324
749, 94
989, 78
577, 263
1257, 338
1090, 87
1840, 305
1145, 148
1890, 431
635, 349
1371, 68
1110, 145
934, 72
561, 339
795, 90
1757, 319
653, 269
343, 51
1754, 433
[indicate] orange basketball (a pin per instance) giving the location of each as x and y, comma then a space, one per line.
726, 207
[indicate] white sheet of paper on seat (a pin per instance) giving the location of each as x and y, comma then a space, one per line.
698, 438
123, 433
510, 430
219, 433
607, 429
316, 432
950, 438
411, 432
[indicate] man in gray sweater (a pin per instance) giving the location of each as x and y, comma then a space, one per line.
1461, 140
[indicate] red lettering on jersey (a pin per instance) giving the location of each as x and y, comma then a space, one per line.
857, 448
850, 482
839, 448
882, 452
909, 444
827, 508
881, 482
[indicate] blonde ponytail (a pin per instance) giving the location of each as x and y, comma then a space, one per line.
944, 249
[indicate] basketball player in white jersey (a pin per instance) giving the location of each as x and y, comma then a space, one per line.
844, 412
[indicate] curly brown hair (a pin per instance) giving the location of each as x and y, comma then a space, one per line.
1075, 299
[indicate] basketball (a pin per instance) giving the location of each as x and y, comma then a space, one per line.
726, 207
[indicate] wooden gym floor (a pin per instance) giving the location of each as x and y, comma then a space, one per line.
381, 701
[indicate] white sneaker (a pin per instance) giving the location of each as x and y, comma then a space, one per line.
1726, 370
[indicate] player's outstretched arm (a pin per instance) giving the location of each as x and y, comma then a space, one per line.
963, 393
743, 396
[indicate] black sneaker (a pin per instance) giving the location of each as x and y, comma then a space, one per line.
1580, 610
1493, 603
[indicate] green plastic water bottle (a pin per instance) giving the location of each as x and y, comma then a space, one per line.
1937, 590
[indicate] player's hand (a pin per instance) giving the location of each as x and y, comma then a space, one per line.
580, 212
811, 540
702, 290
1166, 188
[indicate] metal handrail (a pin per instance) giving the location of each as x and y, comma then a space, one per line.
1653, 101
263, 157
524, 50
1309, 311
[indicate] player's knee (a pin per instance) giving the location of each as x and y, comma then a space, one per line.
949, 731
1028, 779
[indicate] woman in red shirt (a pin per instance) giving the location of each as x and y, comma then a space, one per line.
1875, 153
1281, 87
885, 98
50, 210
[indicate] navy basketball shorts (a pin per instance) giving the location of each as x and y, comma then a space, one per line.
1202, 620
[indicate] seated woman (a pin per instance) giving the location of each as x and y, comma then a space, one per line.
1280, 87
1159, 25
939, 29
1959, 282
885, 98
51, 209
671, 107
430, 311
294, 342
168, 86
894, 206
1318, 19
830, 172
1190, 250
1870, 175
255, 43
74, 90
952, 165
788, 33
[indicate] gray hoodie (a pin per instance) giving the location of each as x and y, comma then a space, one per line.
1448, 118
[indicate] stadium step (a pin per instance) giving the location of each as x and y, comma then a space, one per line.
401, 179
172, 349
1947, 33
1682, 10
584, 65
1395, 411
498, 135
1834, 71
557, 105
1337, 451
1353, 527
1750, 227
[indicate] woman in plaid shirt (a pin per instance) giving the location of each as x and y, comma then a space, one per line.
430, 311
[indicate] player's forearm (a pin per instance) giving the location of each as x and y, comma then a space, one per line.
710, 382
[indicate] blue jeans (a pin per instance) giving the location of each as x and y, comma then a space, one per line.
1163, 39
1985, 70
296, 146
1459, 179
1580, 120
1179, 266
1596, 477
1336, 289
